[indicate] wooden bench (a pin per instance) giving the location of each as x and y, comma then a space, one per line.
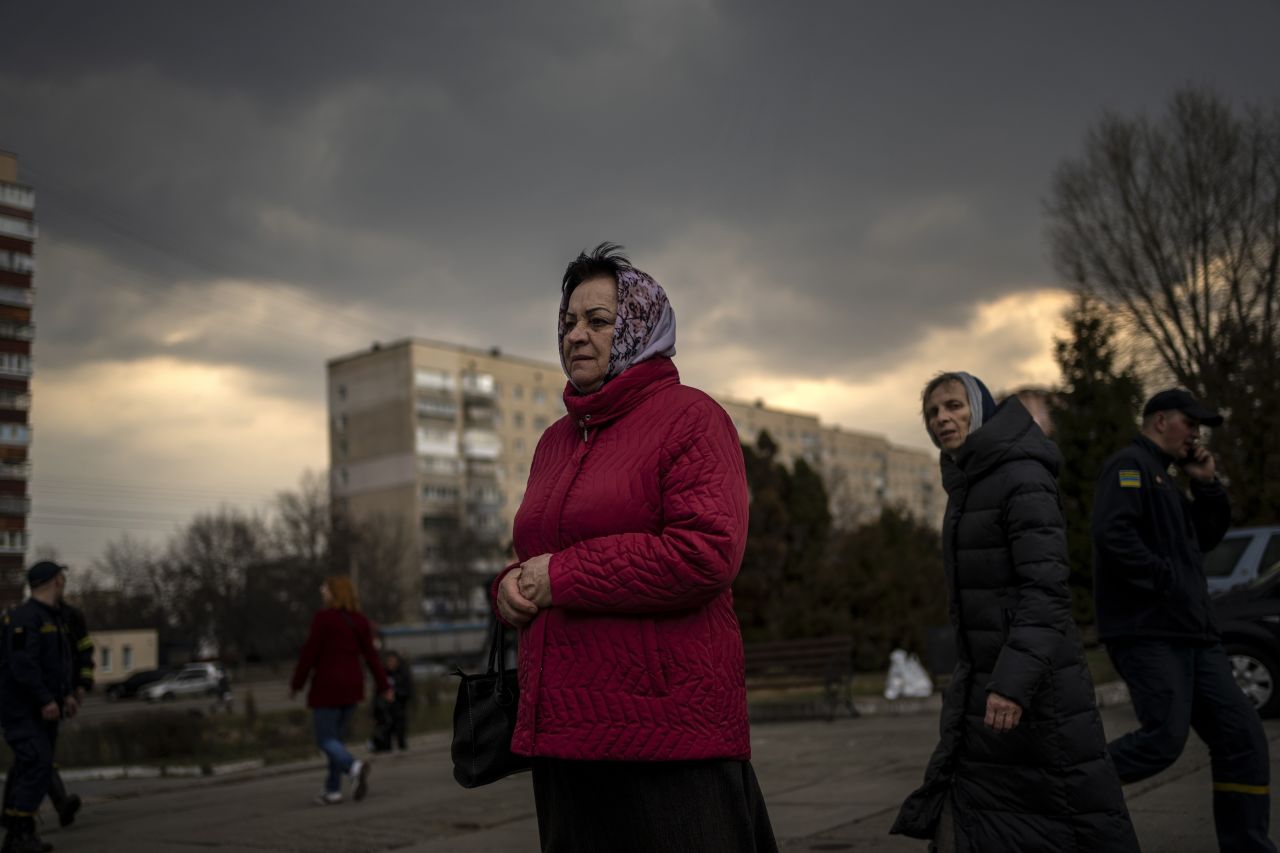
790, 666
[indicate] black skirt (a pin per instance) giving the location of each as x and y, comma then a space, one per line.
650, 806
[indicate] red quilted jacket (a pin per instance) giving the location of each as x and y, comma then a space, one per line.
332, 655
640, 495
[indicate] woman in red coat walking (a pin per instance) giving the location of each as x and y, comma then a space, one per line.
632, 529
340, 636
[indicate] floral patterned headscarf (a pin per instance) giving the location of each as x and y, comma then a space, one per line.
645, 326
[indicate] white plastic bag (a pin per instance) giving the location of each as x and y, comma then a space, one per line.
907, 678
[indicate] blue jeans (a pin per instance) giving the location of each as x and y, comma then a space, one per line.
331, 728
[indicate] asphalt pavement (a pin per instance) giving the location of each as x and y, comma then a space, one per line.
829, 786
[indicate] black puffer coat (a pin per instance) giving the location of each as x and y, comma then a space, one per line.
1048, 785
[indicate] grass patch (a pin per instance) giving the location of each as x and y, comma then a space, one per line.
191, 737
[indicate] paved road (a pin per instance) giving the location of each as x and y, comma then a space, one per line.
267, 695
829, 786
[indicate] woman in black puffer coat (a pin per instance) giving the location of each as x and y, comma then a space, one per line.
1022, 764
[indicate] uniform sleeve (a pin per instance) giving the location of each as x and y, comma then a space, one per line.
1117, 512
24, 658
1041, 615
1210, 512
307, 657
696, 555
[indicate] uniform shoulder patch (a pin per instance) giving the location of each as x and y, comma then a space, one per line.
1130, 478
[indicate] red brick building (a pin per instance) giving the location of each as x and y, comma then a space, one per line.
17, 244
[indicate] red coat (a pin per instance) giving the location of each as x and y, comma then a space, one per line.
333, 651
640, 495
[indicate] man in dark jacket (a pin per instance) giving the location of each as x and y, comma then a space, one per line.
1154, 616
36, 691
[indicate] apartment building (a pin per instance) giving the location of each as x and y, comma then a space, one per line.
437, 439
862, 472
17, 250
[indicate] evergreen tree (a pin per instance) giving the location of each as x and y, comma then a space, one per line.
1094, 416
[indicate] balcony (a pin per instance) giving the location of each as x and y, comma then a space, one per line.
12, 226
20, 296
481, 444
17, 331
12, 505
16, 196
19, 262
439, 443
15, 434
479, 385
15, 402
426, 379
15, 470
13, 542
439, 408
450, 465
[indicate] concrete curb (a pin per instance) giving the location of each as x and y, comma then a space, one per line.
181, 771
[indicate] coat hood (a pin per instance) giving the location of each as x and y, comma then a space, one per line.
1011, 434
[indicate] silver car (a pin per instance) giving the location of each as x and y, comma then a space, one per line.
194, 679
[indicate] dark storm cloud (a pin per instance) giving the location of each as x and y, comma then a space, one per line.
433, 166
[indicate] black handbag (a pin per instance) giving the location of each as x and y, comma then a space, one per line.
484, 718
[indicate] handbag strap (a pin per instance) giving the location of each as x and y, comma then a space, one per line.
498, 648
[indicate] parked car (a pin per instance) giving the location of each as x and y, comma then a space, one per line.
1249, 618
130, 687
1244, 554
194, 679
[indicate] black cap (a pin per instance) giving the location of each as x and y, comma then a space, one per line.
43, 572
1182, 401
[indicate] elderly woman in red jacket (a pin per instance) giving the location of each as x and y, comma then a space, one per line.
339, 639
632, 528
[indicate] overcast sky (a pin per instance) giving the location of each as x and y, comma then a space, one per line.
840, 198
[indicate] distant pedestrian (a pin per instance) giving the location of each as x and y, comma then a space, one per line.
37, 689
1150, 536
391, 718
222, 700
339, 639
1022, 763
630, 534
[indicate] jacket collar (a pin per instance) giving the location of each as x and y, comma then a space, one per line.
1164, 459
620, 394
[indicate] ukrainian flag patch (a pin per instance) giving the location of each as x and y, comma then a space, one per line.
1130, 479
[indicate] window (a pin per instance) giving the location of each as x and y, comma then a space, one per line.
518, 445
126, 658
539, 396
15, 227
104, 659
517, 392
540, 423
342, 392
517, 419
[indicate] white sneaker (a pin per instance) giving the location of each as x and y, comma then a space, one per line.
359, 774
328, 798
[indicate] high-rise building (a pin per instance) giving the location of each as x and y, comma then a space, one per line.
430, 444
17, 244
434, 442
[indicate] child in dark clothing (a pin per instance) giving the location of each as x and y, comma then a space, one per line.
391, 719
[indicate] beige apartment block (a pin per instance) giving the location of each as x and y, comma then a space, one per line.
861, 471
438, 438
119, 654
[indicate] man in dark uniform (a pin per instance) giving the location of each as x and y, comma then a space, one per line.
35, 693
1154, 616
66, 805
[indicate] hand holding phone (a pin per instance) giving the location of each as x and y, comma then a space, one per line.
1199, 464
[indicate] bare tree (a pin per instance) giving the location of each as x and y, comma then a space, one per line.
1176, 224
376, 550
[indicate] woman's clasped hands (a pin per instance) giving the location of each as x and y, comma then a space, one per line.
525, 590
